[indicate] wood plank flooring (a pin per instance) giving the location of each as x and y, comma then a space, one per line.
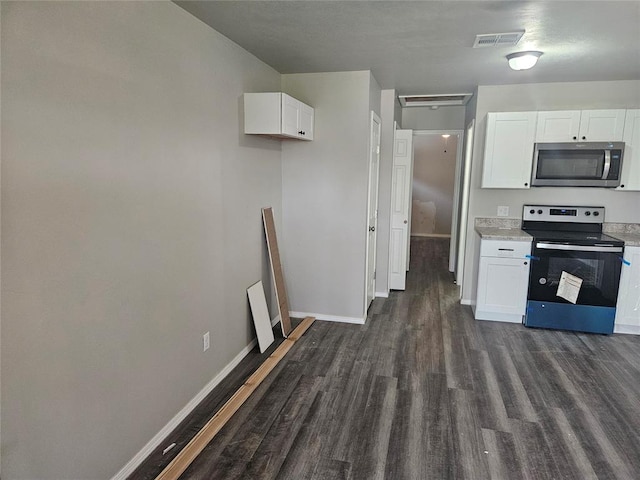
423, 391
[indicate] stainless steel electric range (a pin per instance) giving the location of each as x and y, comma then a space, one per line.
575, 269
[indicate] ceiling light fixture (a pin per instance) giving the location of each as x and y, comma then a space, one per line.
523, 60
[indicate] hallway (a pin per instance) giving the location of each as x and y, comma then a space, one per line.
425, 391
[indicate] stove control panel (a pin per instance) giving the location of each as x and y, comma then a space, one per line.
556, 213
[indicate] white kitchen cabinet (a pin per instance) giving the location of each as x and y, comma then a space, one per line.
277, 114
508, 152
503, 280
558, 126
580, 126
628, 306
630, 180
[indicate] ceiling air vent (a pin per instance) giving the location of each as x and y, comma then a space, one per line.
445, 100
507, 39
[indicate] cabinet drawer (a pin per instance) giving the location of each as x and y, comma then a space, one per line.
507, 249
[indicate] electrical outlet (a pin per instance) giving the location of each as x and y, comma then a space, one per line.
503, 211
205, 342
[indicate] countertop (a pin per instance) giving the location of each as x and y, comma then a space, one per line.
629, 233
508, 229
497, 233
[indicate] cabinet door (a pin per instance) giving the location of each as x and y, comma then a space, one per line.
558, 126
602, 125
628, 306
306, 121
502, 285
290, 116
508, 153
631, 159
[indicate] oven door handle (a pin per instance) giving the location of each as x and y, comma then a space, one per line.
579, 248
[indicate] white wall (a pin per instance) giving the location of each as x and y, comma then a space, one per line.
620, 206
130, 225
324, 196
426, 118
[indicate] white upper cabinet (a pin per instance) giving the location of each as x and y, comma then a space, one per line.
630, 180
558, 126
508, 152
580, 126
277, 114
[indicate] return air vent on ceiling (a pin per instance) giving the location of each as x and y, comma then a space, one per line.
508, 39
445, 100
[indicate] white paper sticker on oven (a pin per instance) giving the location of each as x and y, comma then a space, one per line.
569, 287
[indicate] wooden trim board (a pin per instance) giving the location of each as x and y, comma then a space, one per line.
198, 443
276, 270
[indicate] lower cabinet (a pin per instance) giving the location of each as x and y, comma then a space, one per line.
503, 279
628, 306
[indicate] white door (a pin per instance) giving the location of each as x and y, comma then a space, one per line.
400, 204
464, 204
372, 209
455, 216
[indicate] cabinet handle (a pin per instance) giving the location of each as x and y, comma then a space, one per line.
526, 263
506, 249
584, 138
575, 138
621, 186
526, 184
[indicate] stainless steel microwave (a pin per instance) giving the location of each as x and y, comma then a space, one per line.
575, 164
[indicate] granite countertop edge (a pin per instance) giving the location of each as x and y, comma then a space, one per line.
508, 229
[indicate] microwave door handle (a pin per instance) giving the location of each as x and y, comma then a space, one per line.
607, 164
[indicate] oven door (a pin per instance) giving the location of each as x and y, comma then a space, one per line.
598, 266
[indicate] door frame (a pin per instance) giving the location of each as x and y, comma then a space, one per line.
465, 181
456, 188
372, 210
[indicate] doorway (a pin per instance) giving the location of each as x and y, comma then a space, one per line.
434, 169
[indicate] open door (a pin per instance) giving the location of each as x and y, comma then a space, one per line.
372, 210
464, 204
400, 205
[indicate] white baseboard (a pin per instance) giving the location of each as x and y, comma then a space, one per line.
329, 318
275, 321
627, 329
382, 294
140, 457
466, 301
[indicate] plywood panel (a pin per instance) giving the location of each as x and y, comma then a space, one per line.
260, 313
276, 270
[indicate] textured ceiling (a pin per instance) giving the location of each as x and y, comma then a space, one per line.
425, 47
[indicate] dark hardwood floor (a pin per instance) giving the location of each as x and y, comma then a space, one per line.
423, 391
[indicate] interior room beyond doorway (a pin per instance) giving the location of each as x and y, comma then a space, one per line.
434, 169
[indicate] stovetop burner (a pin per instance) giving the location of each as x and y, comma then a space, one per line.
584, 238
570, 225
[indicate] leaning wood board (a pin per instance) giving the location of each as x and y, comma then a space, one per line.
276, 270
198, 443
